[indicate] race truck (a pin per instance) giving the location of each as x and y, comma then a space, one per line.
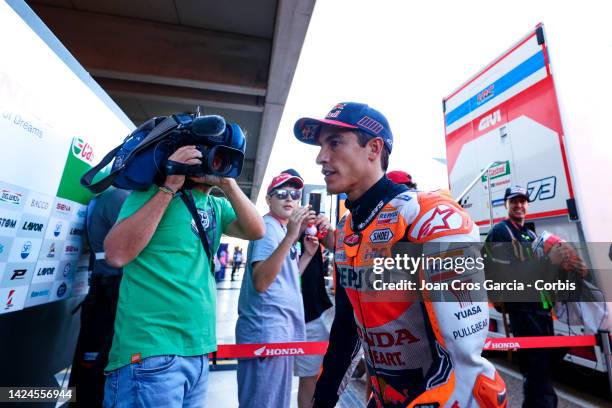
520, 122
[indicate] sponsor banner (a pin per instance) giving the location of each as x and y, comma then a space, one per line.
12, 197
46, 271
61, 290
71, 250
12, 299
25, 250
50, 250
63, 208
80, 159
38, 294
512, 343
5, 246
39, 204
17, 274
9, 222
57, 229
32, 226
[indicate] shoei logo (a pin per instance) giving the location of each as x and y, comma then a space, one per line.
26, 249
489, 345
82, 150
381, 235
7, 196
278, 351
489, 120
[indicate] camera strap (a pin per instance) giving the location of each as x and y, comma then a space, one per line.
187, 197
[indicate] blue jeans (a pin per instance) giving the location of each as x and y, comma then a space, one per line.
159, 381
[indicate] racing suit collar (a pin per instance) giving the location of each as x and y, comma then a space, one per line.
364, 209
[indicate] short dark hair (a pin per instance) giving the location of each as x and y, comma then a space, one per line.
363, 138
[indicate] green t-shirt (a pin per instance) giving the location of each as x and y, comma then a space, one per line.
167, 297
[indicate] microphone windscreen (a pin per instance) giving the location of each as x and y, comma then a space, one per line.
210, 125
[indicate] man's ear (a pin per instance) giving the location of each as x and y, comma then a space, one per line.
375, 146
268, 200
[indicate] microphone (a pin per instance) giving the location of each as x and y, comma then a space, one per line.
210, 125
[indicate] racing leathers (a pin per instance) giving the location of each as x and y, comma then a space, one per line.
419, 353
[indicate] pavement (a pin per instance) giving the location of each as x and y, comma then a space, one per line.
572, 393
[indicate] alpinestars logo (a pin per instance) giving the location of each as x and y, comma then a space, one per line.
278, 351
489, 345
437, 222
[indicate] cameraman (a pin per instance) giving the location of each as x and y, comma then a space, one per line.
165, 324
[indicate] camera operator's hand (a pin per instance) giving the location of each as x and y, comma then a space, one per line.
186, 155
296, 221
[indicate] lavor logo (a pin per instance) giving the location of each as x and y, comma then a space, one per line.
278, 351
82, 150
489, 345
32, 226
45, 271
10, 197
489, 120
381, 235
76, 231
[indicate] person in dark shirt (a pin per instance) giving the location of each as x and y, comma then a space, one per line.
508, 251
100, 305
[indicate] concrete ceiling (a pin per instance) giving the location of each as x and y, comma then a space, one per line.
235, 58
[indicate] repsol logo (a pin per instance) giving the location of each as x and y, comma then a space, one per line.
349, 278
32, 226
45, 271
8, 223
489, 120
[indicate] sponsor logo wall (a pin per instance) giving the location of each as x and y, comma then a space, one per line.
40, 246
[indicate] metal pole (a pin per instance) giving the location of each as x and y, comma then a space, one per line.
606, 348
490, 198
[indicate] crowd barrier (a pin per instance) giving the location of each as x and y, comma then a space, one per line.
602, 339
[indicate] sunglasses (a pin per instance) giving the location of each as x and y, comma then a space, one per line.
282, 194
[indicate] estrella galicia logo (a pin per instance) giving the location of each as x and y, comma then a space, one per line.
26, 249
61, 290
58, 229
